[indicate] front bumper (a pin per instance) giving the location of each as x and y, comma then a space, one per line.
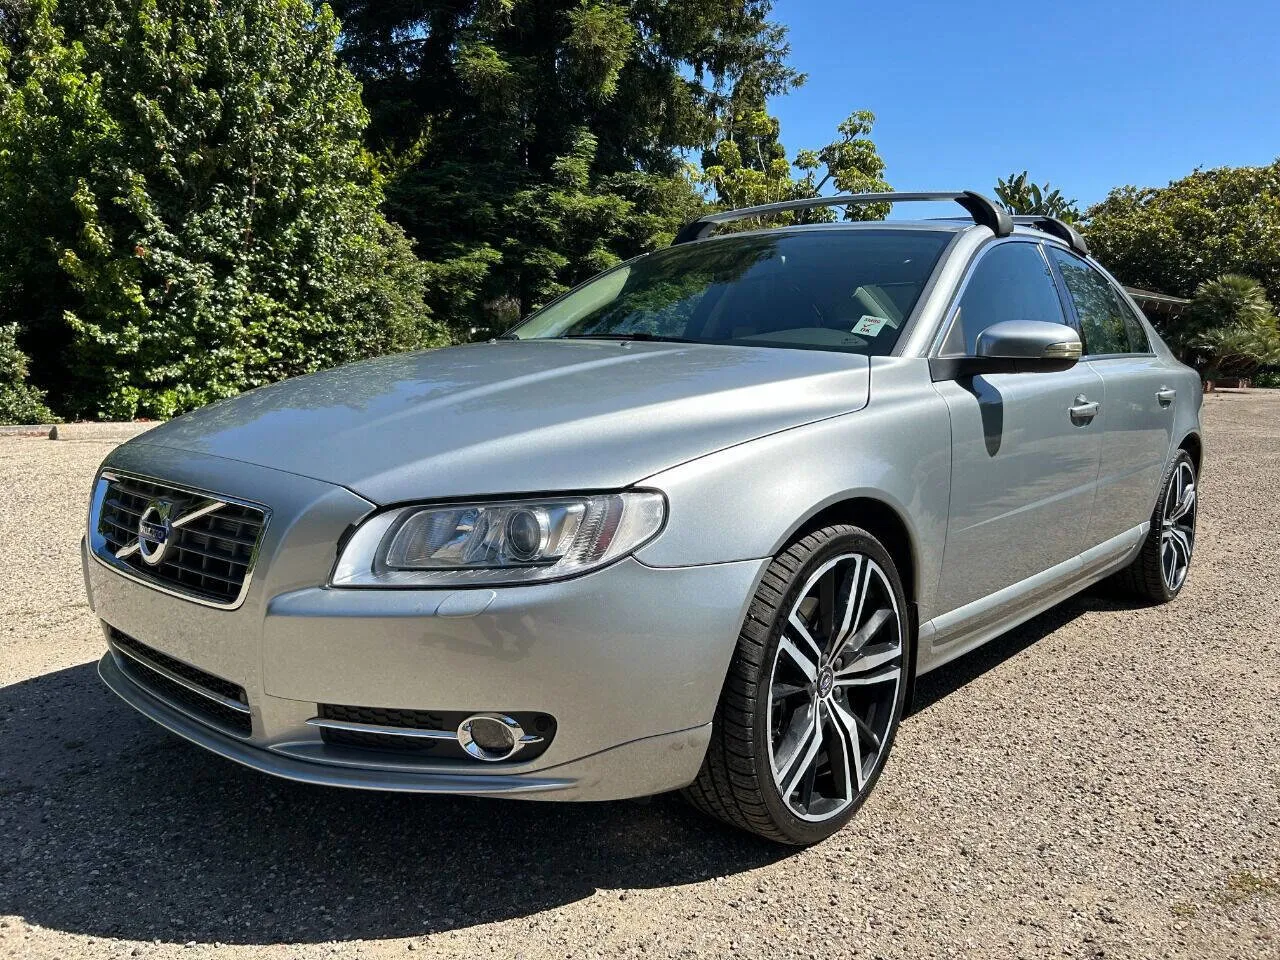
629, 661
642, 767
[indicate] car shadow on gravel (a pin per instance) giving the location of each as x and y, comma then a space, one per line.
946, 680
111, 827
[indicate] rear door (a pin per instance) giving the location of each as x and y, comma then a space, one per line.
1025, 447
1138, 398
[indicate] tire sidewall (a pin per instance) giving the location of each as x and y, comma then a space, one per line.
844, 540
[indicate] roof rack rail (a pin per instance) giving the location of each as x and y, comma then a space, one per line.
984, 211
1057, 228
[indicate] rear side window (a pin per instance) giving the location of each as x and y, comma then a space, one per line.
1012, 281
1106, 321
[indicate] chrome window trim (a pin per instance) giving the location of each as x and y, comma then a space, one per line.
99, 551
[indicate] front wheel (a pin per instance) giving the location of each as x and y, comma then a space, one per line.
815, 691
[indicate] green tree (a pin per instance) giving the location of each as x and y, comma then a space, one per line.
19, 401
535, 141
749, 166
189, 209
1174, 238
1022, 196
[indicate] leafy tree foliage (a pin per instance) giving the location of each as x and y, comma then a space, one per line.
533, 142
749, 166
1232, 328
188, 207
1022, 196
19, 401
1174, 238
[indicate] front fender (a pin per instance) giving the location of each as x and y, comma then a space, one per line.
748, 501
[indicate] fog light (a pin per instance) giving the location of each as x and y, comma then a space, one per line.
490, 736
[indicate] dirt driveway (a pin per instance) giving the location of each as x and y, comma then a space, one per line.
1104, 781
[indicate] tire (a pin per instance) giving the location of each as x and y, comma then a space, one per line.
1159, 571
800, 735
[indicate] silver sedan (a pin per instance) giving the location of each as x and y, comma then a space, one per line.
698, 524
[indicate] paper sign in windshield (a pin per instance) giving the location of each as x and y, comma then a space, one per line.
870, 326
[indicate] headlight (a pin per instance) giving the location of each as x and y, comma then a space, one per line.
515, 541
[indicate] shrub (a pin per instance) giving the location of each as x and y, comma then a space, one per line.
19, 401
188, 208
1232, 329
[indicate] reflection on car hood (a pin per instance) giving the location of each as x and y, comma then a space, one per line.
520, 416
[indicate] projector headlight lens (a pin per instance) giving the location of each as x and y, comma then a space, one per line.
519, 541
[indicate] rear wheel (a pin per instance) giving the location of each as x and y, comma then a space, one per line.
814, 693
1159, 572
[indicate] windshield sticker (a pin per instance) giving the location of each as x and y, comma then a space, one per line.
870, 326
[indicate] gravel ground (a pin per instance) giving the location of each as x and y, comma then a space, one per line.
1104, 781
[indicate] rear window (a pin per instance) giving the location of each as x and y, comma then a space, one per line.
825, 289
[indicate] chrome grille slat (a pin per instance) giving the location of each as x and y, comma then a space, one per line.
385, 731
208, 559
188, 689
193, 687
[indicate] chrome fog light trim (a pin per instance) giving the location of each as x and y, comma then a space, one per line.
493, 736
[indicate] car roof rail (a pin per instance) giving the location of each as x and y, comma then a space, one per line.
1056, 228
985, 211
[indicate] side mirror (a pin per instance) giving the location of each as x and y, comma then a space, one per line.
1030, 340
1014, 346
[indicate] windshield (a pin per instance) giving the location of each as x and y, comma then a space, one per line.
826, 289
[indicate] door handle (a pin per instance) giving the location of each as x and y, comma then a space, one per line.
1165, 395
1084, 409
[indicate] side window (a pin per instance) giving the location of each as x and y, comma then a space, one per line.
1134, 330
1107, 322
1010, 282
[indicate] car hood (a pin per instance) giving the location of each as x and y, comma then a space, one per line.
520, 416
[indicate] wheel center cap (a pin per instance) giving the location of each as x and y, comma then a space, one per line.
826, 681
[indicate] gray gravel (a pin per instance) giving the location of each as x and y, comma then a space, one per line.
1104, 781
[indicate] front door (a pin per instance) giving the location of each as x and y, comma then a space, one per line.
1138, 399
1025, 447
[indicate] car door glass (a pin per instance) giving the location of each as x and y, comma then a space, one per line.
1134, 330
1012, 281
1106, 321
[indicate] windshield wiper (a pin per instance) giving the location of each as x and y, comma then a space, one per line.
649, 337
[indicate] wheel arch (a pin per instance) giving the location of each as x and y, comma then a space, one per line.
887, 523
878, 517
1194, 447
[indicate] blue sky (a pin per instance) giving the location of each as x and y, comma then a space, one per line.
1083, 93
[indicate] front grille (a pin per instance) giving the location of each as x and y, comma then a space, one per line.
209, 557
141, 663
537, 723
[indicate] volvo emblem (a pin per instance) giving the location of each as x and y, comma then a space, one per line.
826, 681
155, 527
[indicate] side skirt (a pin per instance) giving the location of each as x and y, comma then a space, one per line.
954, 634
